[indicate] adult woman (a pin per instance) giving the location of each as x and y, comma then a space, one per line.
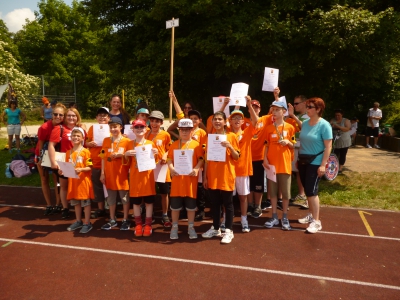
117, 110
15, 118
44, 133
62, 134
316, 143
341, 127
46, 110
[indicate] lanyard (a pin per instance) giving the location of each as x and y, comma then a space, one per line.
147, 137
77, 156
280, 133
187, 144
112, 143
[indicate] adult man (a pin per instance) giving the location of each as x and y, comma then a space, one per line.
374, 115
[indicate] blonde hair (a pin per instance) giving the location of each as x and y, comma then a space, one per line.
78, 116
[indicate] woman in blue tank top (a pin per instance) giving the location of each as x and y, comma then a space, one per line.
15, 118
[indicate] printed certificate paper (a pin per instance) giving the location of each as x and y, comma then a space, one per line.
270, 79
100, 132
183, 163
238, 94
217, 104
271, 173
160, 172
145, 158
129, 133
68, 169
215, 151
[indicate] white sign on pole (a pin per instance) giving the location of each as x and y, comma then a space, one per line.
172, 23
270, 82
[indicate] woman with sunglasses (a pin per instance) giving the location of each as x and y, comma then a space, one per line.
316, 139
62, 135
44, 133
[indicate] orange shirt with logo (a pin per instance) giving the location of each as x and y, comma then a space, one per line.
243, 166
80, 188
258, 142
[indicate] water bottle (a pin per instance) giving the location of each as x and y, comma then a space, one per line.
8, 173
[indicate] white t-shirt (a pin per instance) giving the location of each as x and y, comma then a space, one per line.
374, 113
353, 128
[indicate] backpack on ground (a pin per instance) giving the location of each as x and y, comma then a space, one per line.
20, 168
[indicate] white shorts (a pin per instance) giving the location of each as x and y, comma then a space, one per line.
14, 129
242, 185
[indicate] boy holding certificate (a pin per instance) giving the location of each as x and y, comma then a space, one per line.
279, 152
185, 159
222, 153
80, 190
142, 183
114, 175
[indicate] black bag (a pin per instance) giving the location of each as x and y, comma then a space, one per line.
306, 159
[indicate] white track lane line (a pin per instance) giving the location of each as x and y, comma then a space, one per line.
212, 264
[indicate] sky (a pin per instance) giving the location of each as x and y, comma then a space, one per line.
14, 12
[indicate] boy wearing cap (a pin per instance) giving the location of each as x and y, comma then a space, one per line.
280, 139
142, 184
162, 140
143, 114
184, 186
114, 175
102, 117
80, 190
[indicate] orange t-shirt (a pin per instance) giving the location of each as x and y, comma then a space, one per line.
141, 183
258, 143
162, 141
94, 151
200, 136
280, 157
246, 123
183, 185
243, 166
210, 127
80, 188
115, 171
221, 175
293, 123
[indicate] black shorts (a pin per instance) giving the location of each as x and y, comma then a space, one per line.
257, 179
147, 199
309, 179
164, 187
372, 131
177, 203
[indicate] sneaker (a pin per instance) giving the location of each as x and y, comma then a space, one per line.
76, 225
257, 212
65, 213
245, 226
200, 216
165, 220
148, 230
192, 233
48, 211
222, 227
56, 210
271, 223
314, 226
285, 224
211, 233
307, 219
250, 210
86, 228
126, 224
228, 236
109, 225
174, 233
265, 204
377, 146
368, 146
139, 230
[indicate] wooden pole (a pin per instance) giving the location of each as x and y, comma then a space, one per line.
123, 99
171, 80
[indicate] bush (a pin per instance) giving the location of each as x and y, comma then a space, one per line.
393, 115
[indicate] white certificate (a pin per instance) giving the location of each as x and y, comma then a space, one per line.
270, 79
129, 133
100, 132
217, 104
105, 191
238, 94
145, 158
160, 172
183, 163
271, 173
215, 151
68, 169
60, 156
283, 99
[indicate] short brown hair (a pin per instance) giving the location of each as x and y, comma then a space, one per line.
318, 103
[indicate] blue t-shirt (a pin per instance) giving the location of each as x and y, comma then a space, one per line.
48, 113
13, 116
312, 138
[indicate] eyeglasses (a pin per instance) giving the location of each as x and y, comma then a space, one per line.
310, 107
103, 116
138, 127
187, 107
296, 103
58, 115
237, 118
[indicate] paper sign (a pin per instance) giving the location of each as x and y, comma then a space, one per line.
160, 172
100, 132
217, 104
270, 79
271, 173
238, 94
68, 169
128, 132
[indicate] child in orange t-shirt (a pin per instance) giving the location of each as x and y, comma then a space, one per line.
114, 175
184, 187
279, 152
142, 184
220, 176
80, 190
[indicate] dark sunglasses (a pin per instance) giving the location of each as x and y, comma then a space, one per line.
187, 107
58, 115
138, 127
310, 107
295, 103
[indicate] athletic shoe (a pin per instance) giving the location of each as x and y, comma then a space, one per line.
271, 223
48, 211
174, 233
109, 225
265, 204
65, 213
192, 233
165, 220
250, 210
245, 226
228, 236
257, 212
200, 216
126, 224
314, 226
222, 227
368, 146
56, 210
86, 228
76, 225
377, 146
285, 224
139, 230
211, 233
307, 219
148, 230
